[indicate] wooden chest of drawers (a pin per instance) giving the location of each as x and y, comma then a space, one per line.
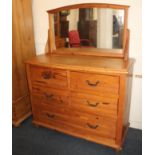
87, 104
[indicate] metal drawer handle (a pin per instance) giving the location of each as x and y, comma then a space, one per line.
50, 115
48, 96
93, 105
92, 126
46, 75
92, 84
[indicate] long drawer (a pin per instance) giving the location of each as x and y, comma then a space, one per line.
94, 83
49, 96
55, 78
92, 104
96, 125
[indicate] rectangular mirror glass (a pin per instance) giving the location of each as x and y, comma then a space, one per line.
89, 27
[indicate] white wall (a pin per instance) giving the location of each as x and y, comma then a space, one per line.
104, 28
134, 23
73, 19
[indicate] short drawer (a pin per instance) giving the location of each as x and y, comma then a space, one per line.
92, 104
48, 77
94, 83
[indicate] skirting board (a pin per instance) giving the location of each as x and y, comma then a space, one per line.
137, 125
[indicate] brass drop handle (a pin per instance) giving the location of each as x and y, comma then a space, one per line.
50, 115
92, 126
93, 105
46, 75
48, 96
92, 84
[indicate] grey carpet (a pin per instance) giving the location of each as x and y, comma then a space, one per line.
29, 140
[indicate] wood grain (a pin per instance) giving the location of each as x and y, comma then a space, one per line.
94, 104
90, 52
88, 110
49, 77
95, 83
22, 49
93, 124
83, 63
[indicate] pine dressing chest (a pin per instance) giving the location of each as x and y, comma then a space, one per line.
84, 91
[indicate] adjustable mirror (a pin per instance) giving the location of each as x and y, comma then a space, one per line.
101, 27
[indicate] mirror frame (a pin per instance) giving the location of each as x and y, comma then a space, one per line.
123, 53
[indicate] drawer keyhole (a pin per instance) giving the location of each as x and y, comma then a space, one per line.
105, 103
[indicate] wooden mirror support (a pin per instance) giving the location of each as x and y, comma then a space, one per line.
120, 53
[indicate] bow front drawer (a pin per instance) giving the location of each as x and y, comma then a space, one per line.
55, 78
94, 83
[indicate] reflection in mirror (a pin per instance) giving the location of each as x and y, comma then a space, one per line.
89, 27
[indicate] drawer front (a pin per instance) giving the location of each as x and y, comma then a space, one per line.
49, 96
92, 104
95, 125
48, 77
94, 83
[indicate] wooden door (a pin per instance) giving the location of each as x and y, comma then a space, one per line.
22, 48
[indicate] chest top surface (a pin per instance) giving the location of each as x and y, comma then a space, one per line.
83, 63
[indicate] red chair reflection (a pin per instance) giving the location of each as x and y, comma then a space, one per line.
75, 41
